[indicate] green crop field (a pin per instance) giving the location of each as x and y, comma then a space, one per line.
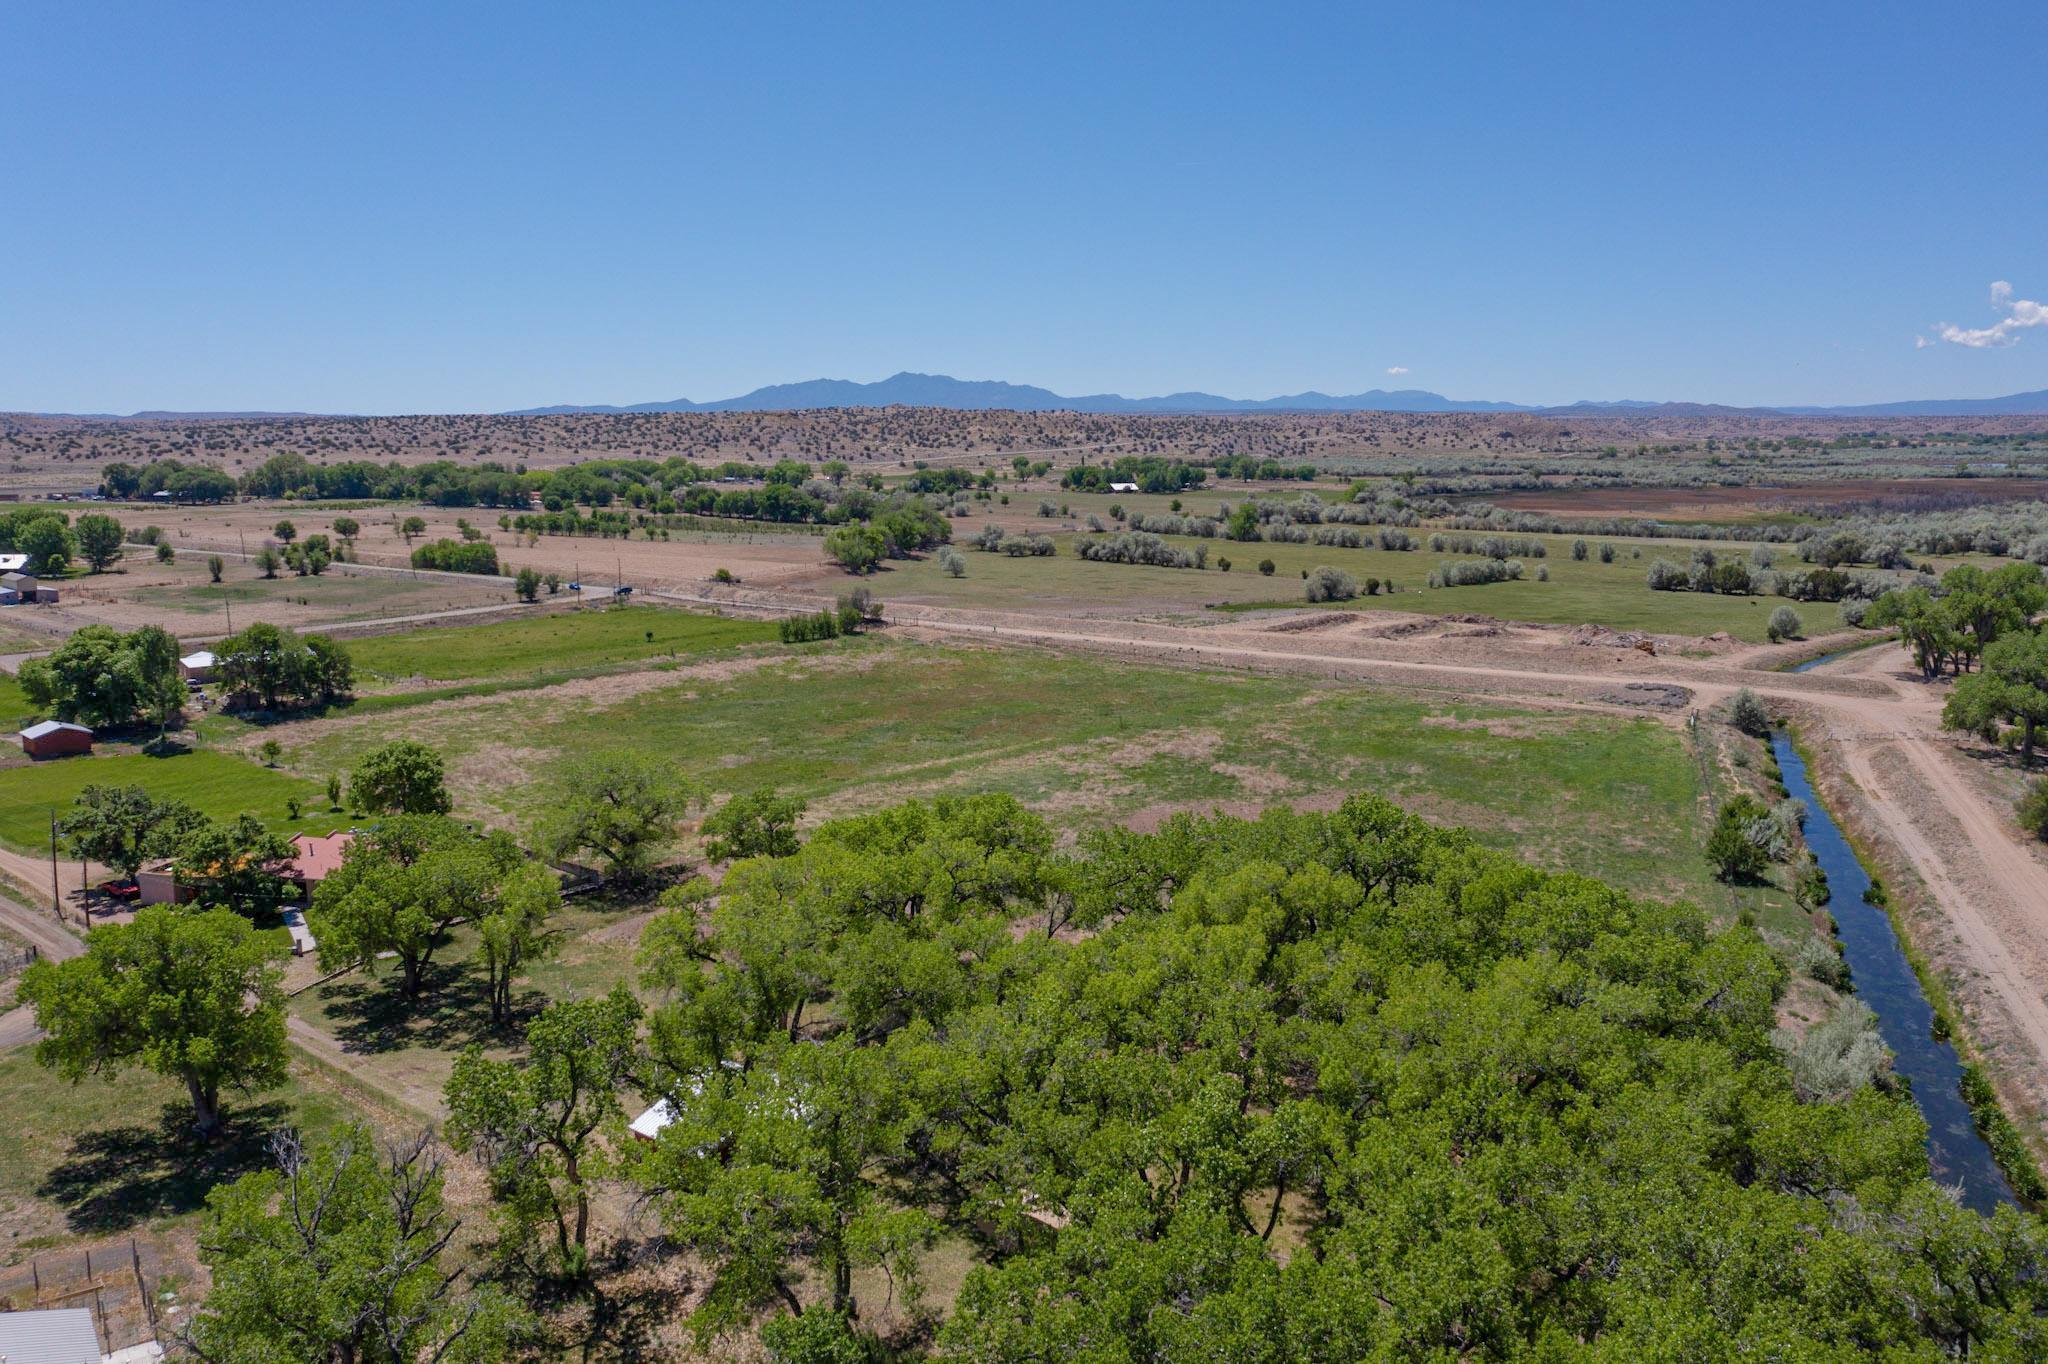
221, 785
1614, 595
560, 641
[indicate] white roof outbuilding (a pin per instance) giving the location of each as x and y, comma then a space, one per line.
37, 731
59, 1336
202, 659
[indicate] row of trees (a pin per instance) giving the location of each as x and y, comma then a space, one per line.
104, 678
1953, 624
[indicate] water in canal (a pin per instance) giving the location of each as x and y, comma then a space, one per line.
1885, 981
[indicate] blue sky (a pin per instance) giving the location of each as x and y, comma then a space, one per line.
421, 207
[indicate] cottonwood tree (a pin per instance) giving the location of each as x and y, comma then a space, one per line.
341, 1253
757, 824
401, 886
189, 995
403, 777
103, 678
2012, 689
534, 1121
99, 540
621, 806
277, 667
124, 826
771, 1179
239, 863
513, 932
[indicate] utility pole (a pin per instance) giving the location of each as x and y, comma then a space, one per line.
56, 895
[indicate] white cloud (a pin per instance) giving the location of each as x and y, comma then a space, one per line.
2020, 314
1397, 370
1921, 343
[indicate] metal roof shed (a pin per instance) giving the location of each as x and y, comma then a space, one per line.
62, 1336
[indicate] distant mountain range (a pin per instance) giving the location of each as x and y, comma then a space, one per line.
972, 395
939, 390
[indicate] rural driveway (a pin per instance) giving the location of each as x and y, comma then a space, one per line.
39, 930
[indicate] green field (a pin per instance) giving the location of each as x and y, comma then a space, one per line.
14, 707
221, 785
1614, 595
560, 641
863, 723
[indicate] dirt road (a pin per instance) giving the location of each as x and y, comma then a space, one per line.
39, 930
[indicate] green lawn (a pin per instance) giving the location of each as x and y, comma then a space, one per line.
14, 707
221, 785
556, 642
1614, 595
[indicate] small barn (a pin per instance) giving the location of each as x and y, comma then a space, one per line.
46, 594
13, 563
197, 667
20, 582
55, 739
1123, 487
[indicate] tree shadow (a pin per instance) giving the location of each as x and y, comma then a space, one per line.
116, 1177
2008, 759
373, 1013
625, 1313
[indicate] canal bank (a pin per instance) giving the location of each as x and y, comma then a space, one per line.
1885, 980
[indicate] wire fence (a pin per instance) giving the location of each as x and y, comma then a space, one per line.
110, 1281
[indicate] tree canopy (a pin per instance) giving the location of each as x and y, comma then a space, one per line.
401, 885
125, 826
273, 667
1316, 1086
103, 678
339, 1254
191, 995
621, 806
404, 776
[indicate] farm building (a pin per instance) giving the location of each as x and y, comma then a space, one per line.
13, 563
55, 739
45, 594
197, 667
1123, 487
54, 1336
20, 582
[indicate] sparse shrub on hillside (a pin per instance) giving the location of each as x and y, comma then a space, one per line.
1138, 547
1330, 584
1473, 572
1783, 624
1746, 712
